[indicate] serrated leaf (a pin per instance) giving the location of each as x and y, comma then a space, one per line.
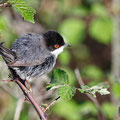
25, 10
58, 78
95, 89
66, 92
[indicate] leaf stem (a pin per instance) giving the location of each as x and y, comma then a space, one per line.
52, 103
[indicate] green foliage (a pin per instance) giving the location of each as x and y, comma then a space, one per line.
70, 18
9, 113
94, 89
109, 110
74, 111
26, 11
66, 92
24, 113
8, 35
68, 110
99, 10
71, 74
60, 79
87, 108
73, 30
116, 89
93, 72
101, 30
63, 59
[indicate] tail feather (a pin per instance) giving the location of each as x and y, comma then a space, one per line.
8, 55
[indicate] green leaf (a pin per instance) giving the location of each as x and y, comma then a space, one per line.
71, 74
66, 92
25, 10
116, 90
109, 110
101, 30
58, 78
73, 30
99, 10
94, 89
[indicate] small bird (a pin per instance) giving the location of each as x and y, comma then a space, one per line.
33, 55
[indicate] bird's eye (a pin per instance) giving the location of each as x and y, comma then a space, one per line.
56, 46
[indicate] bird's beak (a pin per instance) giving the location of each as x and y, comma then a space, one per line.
68, 45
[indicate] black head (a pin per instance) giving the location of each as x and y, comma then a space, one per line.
53, 40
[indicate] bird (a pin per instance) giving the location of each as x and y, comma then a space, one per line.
33, 55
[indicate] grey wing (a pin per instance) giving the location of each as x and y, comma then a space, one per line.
30, 50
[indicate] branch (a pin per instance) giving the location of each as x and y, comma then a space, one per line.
80, 81
31, 99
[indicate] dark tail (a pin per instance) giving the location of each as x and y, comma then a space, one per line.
8, 55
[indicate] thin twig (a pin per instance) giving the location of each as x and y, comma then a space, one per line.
6, 80
52, 103
80, 81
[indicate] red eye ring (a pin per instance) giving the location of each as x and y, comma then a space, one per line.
56, 46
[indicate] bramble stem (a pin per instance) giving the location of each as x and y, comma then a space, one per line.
31, 99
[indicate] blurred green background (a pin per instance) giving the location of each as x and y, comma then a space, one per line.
88, 26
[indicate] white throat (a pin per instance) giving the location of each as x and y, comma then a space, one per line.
57, 51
